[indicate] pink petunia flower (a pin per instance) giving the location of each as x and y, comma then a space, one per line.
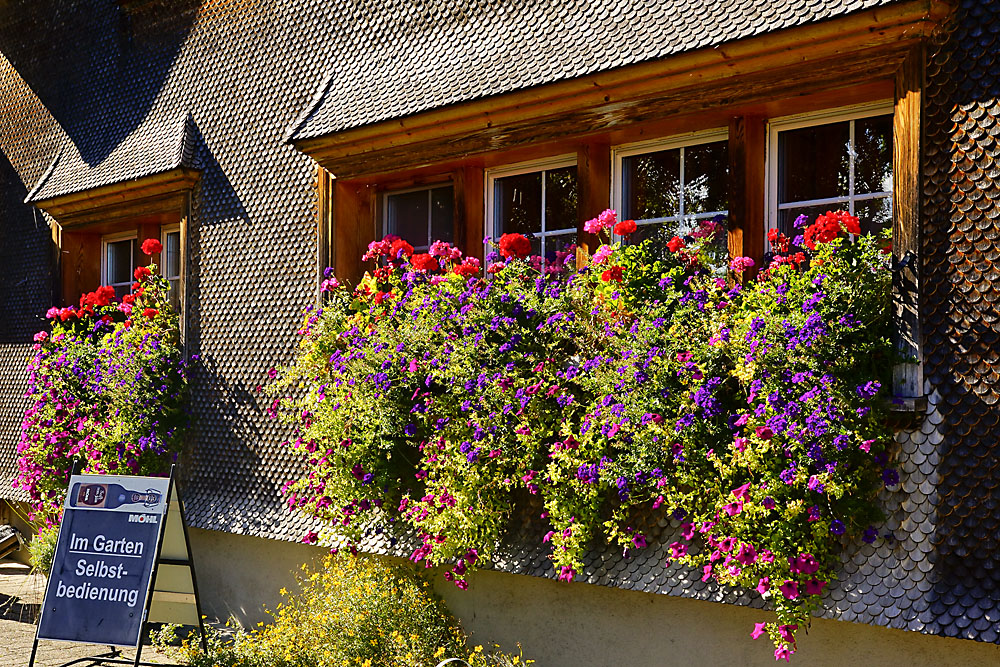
687, 531
764, 585
789, 589
814, 587
783, 653
758, 630
732, 509
741, 491
747, 554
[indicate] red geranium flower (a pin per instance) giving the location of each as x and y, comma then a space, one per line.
151, 246
828, 226
400, 247
150, 313
424, 262
615, 274
515, 245
469, 267
141, 272
625, 227
675, 244
104, 295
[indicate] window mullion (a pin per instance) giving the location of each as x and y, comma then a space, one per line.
850, 163
681, 194
430, 216
542, 245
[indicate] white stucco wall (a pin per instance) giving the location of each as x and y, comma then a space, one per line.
574, 625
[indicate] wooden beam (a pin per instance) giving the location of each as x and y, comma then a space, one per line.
469, 210
353, 227
719, 95
907, 144
888, 26
80, 256
119, 199
324, 221
593, 177
747, 176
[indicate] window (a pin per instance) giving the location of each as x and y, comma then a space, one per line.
840, 159
119, 258
420, 215
536, 199
669, 185
171, 263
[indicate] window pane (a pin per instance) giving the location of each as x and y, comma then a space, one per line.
442, 214
873, 150
874, 214
518, 204
706, 178
813, 162
172, 255
560, 200
175, 295
119, 262
651, 185
662, 230
558, 242
406, 217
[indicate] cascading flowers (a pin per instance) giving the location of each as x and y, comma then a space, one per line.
750, 412
107, 385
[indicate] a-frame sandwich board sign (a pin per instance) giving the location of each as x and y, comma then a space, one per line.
122, 560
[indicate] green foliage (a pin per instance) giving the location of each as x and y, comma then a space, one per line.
42, 548
750, 414
357, 612
107, 386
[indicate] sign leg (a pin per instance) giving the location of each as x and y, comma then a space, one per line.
34, 650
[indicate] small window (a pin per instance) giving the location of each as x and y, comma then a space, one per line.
119, 260
170, 264
420, 216
667, 186
830, 161
538, 200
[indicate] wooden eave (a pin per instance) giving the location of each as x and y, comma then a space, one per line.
156, 193
829, 54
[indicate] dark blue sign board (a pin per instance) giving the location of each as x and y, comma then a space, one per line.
100, 580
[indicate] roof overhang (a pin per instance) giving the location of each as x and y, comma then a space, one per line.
143, 196
825, 55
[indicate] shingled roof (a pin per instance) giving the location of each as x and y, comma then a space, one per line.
162, 145
412, 57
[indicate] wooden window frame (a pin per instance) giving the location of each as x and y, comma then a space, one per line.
529, 167
383, 214
117, 237
775, 126
179, 228
619, 153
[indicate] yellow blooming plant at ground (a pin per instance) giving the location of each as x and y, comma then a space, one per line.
351, 612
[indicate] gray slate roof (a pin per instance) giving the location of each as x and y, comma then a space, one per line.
414, 56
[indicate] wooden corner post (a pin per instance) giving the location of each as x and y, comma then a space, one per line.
593, 173
907, 144
747, 182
